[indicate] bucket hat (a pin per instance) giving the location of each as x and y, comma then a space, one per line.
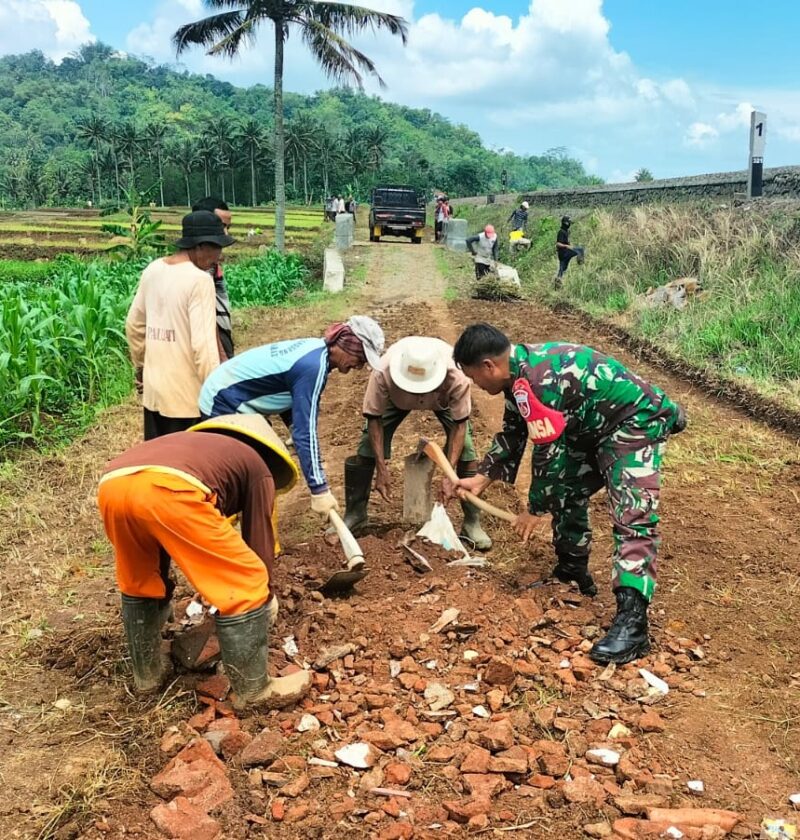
203, 226
254, 430
418, 364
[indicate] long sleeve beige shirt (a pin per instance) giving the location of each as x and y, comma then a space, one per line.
172, 334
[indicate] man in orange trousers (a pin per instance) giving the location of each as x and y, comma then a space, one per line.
178, 492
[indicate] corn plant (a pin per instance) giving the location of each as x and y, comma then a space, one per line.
63, 351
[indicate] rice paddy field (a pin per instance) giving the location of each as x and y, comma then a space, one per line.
45, 234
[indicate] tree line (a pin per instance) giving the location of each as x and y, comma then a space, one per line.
101, 121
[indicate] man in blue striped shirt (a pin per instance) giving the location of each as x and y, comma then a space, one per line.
290, 376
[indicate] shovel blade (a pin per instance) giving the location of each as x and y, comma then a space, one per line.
342, 581
417, 492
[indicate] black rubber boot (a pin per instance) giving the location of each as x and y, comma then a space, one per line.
570, 568
243, 650
142, 618
358, 474
627, 638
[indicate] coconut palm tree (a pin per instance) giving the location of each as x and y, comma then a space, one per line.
94, 130
129, 141
254, 139
206, 152
374, 143
301, 141
155, 133
184, 155
322, 24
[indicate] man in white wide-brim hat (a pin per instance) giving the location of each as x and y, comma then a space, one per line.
415, 374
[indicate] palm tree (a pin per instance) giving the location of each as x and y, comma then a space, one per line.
374, 144
219, 131
329, 153
254, 139
129, 140
301, 140
94, 129
206, 152
184, 154
322, 25
155, 133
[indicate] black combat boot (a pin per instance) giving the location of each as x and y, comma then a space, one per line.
358, 474
571, 567
627, 638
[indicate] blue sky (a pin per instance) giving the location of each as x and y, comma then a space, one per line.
666, 84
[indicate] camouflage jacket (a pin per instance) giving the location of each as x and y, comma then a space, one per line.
578, 398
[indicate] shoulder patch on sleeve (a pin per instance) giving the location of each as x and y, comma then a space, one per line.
544, 424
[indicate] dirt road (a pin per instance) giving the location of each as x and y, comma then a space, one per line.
79, 751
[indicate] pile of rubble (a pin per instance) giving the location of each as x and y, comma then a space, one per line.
439, 706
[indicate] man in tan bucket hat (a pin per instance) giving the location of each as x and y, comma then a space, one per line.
179, 492
416, 373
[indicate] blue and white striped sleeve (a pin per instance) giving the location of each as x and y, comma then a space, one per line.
307, 379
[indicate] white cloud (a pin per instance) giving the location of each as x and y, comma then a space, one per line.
56, 27
738, 118
701, 134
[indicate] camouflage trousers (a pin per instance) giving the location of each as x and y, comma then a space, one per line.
632, 478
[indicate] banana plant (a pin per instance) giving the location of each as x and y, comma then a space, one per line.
142, 233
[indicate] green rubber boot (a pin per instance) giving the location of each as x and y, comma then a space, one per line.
472, 529
244, 652
142, 618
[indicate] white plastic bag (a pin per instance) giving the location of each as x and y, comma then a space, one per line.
439, 529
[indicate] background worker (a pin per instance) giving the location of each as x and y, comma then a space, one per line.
415, 374
593, 423
224, 322
441, 215
519, 217
564, 251
177, 493
484, 250
172, 329
288, 378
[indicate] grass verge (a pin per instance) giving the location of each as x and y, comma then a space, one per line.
744, 326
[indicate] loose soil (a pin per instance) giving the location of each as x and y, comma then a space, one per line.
724, 628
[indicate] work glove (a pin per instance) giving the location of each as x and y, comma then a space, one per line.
138, 380
324, 503
272, 610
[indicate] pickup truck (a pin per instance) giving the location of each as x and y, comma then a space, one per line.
396, 211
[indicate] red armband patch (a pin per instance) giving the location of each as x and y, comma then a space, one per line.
544, 424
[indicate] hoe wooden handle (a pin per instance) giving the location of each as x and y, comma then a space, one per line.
349, 545
434, 452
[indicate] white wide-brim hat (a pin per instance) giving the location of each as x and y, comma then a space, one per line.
418, 364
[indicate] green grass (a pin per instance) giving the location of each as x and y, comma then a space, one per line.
745, 325
13, 271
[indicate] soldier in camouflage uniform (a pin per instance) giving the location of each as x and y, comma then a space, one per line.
594, 424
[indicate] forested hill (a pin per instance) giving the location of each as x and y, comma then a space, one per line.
79, 130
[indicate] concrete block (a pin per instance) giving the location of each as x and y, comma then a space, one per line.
333, 271
456, 235
345, 231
